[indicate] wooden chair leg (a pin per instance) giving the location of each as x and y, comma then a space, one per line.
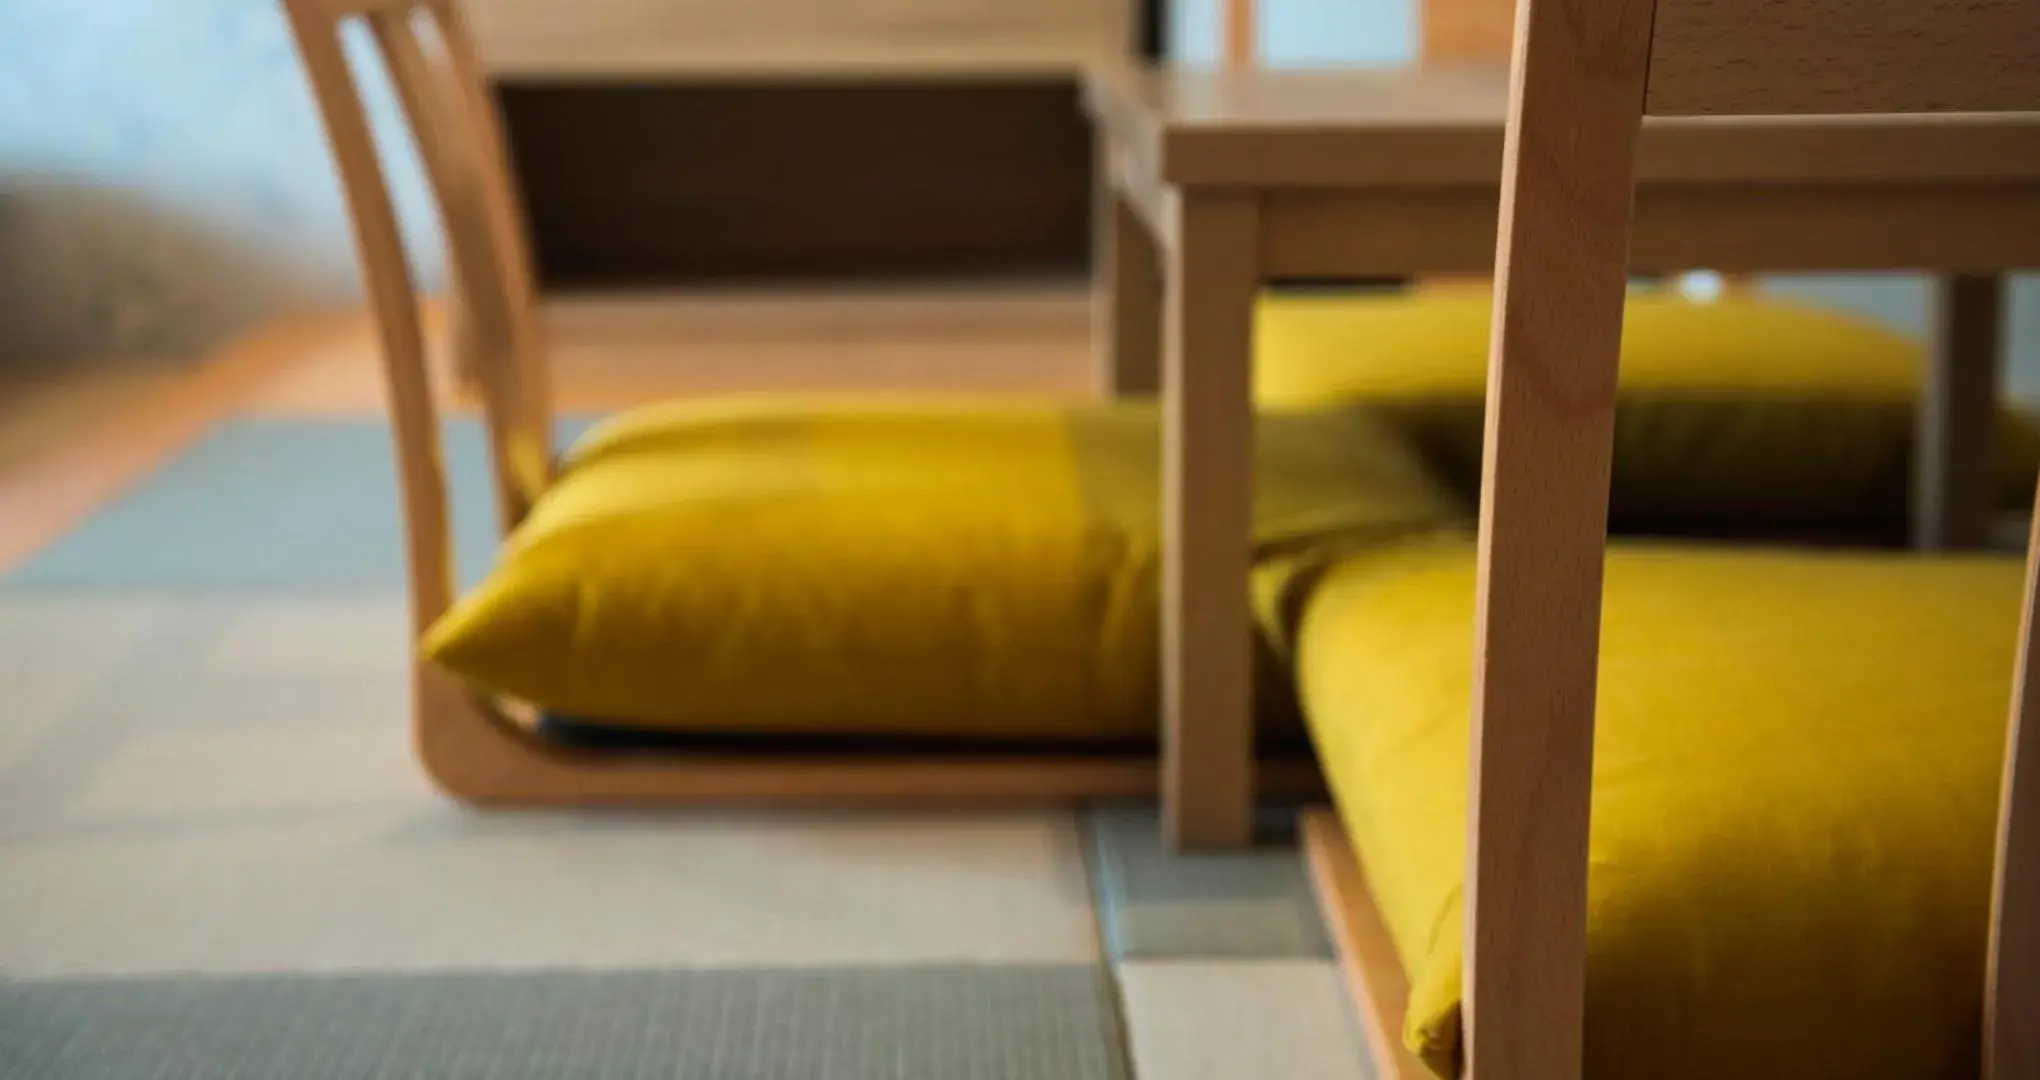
1375, 979
1561, 265
2011, 1002
1129, 298
1207, 664
1954, 474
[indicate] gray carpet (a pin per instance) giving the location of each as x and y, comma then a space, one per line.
1155, 904
289, 505
930, 1023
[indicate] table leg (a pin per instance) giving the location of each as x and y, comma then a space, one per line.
1129, 298
1954, 460
1208, 447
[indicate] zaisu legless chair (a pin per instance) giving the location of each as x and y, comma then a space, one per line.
1815, 842
794, 599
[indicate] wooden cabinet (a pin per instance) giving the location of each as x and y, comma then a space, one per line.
663, 142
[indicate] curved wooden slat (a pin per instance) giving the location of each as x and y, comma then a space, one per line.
393, 296
502, 203
2011, 1000
1367, 956
1783, 57
1561, 266
444, 126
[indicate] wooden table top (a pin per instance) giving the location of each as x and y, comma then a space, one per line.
1440, 127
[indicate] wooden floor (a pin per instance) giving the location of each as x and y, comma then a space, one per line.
69, 443
43, 410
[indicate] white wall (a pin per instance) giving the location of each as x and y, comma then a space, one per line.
163, 179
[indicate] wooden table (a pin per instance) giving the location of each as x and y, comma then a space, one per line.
1214, 183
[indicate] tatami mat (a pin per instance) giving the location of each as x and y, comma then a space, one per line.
1226, 1021
1019, 1023
1156, 904
55, 653
184, 792
288, 505
218, 857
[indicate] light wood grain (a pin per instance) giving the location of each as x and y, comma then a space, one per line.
1129, 289
523, 348
1020, 310
1208, 445
2011, 1000
393, 297
1754, 57
489, 301
1958, 227
1154, 202
1392, 129
613, 351
540, 39
1367, 958
1955, 459
1561, 265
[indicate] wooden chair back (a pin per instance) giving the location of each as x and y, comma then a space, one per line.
427, 50
1763, 57
1584, 74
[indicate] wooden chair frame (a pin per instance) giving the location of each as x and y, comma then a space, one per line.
1585, 72
474, 748
1214, 185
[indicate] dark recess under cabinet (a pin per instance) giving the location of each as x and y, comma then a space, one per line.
674, 183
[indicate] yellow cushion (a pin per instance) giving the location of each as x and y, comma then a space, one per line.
961, 569
1742, 411
1795, 789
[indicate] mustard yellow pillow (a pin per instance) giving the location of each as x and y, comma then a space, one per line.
1740, 412
1795, 790
880, 567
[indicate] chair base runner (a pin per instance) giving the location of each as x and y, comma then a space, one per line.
476, 754
1374, 975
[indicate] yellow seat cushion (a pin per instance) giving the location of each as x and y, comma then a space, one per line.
1744, 411
953, 569
1795, 788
